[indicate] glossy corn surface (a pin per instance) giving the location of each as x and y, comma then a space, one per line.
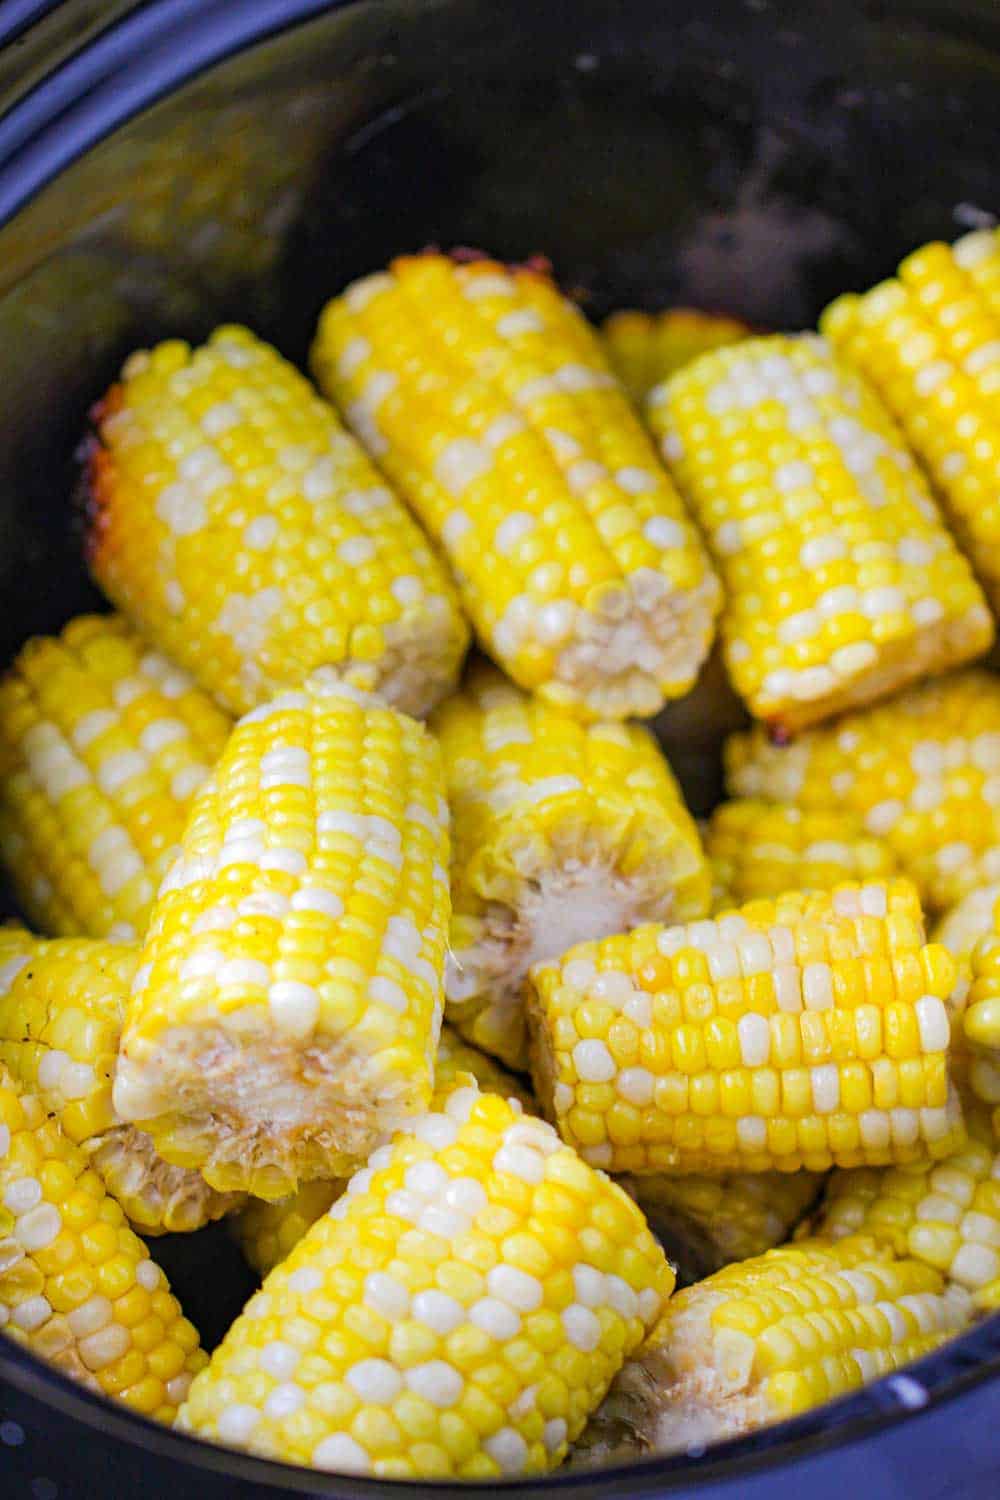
765, 848
842, 583
296, 949
646, 348
807, 1031
561, 831
103, 744
459, 1312
487, 399
928, 339
921, 772
247, 534
77, 1287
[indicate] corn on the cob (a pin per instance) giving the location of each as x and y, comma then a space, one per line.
460, 1311
967, 921
771, 1338
247, 533
765, 848
560, 831
981, 1015
945, 1213
708, 1222
842, 583
487, 399
103, 744
922, 773
929, 341
62, 1003
808, 1031
646, 348
77, 1287
266, 1232
285, 1014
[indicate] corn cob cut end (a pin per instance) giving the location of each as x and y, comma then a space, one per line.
156, 1197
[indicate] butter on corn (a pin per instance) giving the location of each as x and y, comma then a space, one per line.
77, 1287
561, 831
771, 1338
245, 532
928, 339
459, 1312
486, 398
921, 772
103, 744
842, 583
806, 1031
285, 1014
763, 848
646, 348
62, 1003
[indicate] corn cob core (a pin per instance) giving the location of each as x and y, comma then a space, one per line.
922, 773
929, 341
560, 831
61, 1008
771, 1338
103, 744
645, 348
77, 1287
460, 1311
267, 1232
842, 584
764, 848
285, 1014
486, 398
945, 1213
807, 1031
240, 526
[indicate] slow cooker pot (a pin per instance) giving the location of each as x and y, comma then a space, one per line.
169, 165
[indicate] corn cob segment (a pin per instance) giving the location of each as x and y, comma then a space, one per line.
842, 583
645, 348
459, 1312
770, 1338
103, 744
486, 398
808, 1031
240, 526
929, 341
764, 848
77, 1287
981, 1016
62, 1003
560, 831
267, 1232
285, 1014
921, 773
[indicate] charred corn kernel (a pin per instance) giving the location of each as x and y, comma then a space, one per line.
765, 848
842, 583
62, 1002
459, 1312
266, 1232
929, 341
707, 1222
645, 348
77, 1287
945, 1213
921, 773
772, 1337
296, 949
486, 398
755, 1103
560, 831
103, 744
240, 526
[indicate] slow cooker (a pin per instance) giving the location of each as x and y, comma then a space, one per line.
168, 165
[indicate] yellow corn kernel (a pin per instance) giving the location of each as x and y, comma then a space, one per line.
842, 583
487, 399
103, 744
560, 831
763, 848
646, 348
240, 526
